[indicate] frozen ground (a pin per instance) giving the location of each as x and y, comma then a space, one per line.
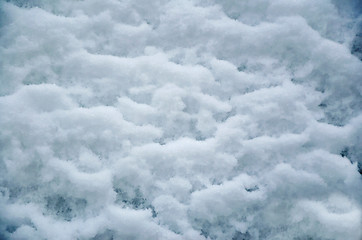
193, 120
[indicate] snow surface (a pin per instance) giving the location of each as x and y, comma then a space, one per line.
136, 119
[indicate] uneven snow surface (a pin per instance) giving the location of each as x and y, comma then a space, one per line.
203, 119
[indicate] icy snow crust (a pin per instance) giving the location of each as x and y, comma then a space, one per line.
179, 120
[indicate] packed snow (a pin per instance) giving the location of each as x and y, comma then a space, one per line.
180, 119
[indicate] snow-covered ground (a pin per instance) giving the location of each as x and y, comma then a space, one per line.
203, 119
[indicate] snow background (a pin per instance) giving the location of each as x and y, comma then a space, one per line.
176, 119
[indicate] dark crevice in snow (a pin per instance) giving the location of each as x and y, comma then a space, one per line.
242, 236
357, 42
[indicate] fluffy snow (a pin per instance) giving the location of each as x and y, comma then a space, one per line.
134, 119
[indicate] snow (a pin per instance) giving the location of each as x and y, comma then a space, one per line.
180, 119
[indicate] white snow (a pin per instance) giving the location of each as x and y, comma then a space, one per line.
176, 119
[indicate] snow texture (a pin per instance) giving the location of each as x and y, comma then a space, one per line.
192, 119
